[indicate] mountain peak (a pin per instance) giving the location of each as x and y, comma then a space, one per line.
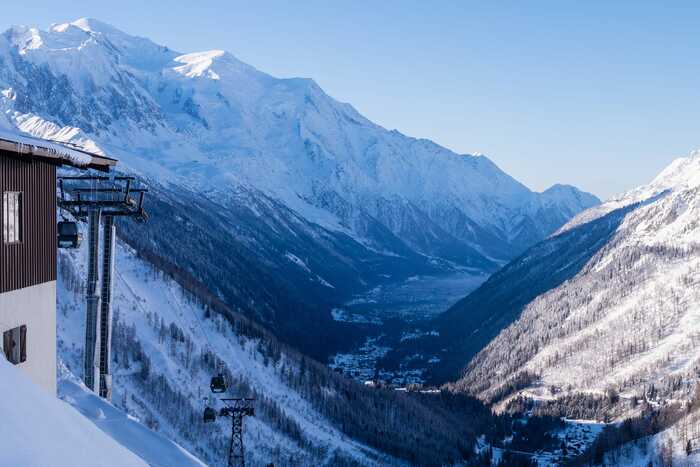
92, 25
683, 172
560, 187
89, 25
561, 192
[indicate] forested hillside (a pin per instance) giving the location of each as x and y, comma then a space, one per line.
626, 323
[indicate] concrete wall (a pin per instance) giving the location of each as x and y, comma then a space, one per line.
34, 306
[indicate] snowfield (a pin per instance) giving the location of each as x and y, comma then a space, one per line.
39, 430
155, 449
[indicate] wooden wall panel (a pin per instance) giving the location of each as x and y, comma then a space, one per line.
33, 261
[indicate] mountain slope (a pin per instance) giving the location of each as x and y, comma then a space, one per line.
627, 320
306, 176
169, 339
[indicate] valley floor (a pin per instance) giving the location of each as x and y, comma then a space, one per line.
390, 312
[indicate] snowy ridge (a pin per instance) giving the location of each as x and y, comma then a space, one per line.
682, 173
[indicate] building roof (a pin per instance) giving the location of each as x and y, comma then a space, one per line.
60, 153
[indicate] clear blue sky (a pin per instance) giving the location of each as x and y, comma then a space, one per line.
598, 94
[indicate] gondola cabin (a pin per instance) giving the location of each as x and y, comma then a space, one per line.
28, 249
209, 415
68, 235
218, 384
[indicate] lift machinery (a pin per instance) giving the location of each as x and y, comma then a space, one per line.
98, 200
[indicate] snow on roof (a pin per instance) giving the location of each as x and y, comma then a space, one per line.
24, 144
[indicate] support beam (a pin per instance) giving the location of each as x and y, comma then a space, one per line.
108, 256
91, 365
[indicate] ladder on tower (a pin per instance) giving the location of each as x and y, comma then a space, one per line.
108, 252
91, 368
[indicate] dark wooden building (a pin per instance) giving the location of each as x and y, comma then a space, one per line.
28, 249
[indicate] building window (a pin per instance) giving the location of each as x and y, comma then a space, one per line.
12, 217
14, 344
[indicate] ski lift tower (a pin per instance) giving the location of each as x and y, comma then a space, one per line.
95, 200
236, 409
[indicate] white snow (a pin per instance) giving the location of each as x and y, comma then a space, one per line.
298, 261
197, 64
39, 430
155, 449
72, 156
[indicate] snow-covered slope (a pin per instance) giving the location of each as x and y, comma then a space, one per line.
169, 329
376, 204
168, 342
626, 318
40, 430
677, 445
156, 450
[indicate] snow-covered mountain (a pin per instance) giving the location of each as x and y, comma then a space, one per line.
617, 309
311, 200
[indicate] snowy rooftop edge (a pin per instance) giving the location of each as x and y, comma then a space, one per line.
25, 144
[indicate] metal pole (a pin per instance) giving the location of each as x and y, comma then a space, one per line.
91, 367
108, 256
236, 456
